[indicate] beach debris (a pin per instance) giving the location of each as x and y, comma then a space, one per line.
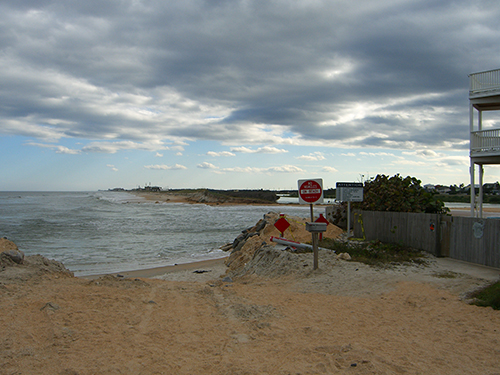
294, 244
201, 271
227, 279
51, 306
344, 256
125, 282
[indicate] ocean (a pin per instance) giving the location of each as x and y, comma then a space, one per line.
106, 231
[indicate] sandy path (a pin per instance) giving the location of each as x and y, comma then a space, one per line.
345, 318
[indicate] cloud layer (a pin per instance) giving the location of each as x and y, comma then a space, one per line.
156, 75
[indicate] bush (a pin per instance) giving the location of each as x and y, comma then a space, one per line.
398, 194
489, 296
376, 253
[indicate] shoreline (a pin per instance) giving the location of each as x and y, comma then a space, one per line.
215, 265
194, 198
168, 197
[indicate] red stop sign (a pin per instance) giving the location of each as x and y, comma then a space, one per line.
310, 191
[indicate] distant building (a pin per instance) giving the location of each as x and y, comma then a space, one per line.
442, 189
493, 188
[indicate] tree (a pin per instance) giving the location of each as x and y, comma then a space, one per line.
398, 194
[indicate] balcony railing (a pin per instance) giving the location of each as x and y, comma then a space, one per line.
484, 82
485, 142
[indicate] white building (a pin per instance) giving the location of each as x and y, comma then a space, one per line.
484, 95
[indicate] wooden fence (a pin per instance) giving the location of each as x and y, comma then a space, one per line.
463, 238
476, 240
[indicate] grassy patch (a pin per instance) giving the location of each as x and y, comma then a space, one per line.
446, 275
488, 296
376, 252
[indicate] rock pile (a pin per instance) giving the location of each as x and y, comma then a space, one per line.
337, 214
254, 244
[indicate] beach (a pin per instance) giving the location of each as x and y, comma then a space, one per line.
344, 318
262, 311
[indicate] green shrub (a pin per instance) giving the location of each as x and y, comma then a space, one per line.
488, 296
375, 252
398, 194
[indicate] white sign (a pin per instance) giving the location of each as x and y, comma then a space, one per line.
311, 191
349, 192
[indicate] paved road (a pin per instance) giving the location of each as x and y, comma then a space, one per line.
466, 213
471, 269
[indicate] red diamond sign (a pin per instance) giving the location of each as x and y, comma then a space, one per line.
281, 224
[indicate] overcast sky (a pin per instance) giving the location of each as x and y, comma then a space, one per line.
98, 94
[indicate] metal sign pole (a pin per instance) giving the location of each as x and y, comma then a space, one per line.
311, 191
350, 192
314, 241
315, 250
348, 218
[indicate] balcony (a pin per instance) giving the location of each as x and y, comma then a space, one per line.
484, 95
485, 143
483, 84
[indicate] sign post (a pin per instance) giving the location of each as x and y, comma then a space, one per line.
349, 192
311, 192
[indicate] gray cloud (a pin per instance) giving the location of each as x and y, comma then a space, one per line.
386, 74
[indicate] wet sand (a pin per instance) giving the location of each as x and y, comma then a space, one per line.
194, 271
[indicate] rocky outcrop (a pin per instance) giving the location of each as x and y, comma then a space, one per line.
209, 196
9, 252
15, 267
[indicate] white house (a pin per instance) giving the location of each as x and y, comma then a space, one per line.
484, 95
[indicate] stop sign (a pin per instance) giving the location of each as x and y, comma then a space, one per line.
311, 191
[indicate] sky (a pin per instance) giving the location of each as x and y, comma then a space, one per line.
100, 94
